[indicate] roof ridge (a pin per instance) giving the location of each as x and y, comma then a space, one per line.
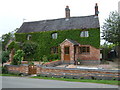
59, 19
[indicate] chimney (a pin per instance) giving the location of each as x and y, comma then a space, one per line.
96, 10
67, 12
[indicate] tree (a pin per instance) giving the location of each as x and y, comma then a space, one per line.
111, 29
7, 37
29, 48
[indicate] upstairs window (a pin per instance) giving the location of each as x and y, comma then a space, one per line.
54, 35
84, 50
54, 50
84, 34
29, 37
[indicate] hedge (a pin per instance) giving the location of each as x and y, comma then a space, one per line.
45, 40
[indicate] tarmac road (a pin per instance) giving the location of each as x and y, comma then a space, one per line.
24, 82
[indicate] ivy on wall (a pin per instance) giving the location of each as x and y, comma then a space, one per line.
45, 41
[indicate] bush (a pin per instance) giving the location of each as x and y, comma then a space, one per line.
54, 57
18, 57
5, 56
29, 48
44, 58
4, 70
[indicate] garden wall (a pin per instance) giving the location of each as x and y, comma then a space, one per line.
68, 72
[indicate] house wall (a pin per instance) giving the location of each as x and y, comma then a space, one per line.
90, 58
45, 41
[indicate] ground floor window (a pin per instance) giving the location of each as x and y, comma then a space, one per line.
54, 50
84, 50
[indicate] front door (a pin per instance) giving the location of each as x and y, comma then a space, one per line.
67, 54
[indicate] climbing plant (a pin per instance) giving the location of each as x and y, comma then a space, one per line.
45, 41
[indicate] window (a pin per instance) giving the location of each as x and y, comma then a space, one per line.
84, 34
54, 35
54, 50
84, 50
29, 37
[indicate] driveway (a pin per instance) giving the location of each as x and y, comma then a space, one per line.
24, 82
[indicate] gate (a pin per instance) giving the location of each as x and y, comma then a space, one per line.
32, 69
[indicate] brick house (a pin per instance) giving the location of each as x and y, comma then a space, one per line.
77, 37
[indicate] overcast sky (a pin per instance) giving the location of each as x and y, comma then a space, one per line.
12, 12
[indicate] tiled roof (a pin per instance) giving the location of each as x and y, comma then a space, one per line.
83, 22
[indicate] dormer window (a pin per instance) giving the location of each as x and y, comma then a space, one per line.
54, 35
29, 37
84, 34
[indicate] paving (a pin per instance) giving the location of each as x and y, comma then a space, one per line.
24, 82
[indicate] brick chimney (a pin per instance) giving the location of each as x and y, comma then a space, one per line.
67, 12
96, 10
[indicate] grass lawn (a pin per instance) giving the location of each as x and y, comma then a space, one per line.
112, 82
9, 75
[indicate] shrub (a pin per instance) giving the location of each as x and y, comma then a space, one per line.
54, 57
4, 70
29, 48
5, 56
44, 58
18, 57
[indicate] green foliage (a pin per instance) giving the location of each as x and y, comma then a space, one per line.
4, 70
5, 56
106, 49
44, 58
45, 41
111, 28
18, 57
5, 40
29, 48
14, 45
53, 57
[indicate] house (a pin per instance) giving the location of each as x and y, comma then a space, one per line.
71, 38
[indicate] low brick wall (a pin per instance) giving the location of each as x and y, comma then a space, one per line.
68, 72
79, 73
53, 63
17, 69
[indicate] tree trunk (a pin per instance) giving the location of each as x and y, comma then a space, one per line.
11, 55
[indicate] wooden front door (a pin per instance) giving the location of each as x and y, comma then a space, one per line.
32, 69
67, 53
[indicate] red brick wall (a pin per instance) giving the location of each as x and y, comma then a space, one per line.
64, 71
93, 55
17, 69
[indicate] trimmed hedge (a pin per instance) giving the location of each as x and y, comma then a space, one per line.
45, 41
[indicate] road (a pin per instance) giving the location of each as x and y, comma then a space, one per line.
24, 82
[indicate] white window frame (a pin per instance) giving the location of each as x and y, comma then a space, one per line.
54, 35
28, 37
84, 34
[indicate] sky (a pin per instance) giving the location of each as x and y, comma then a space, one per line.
14, 12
